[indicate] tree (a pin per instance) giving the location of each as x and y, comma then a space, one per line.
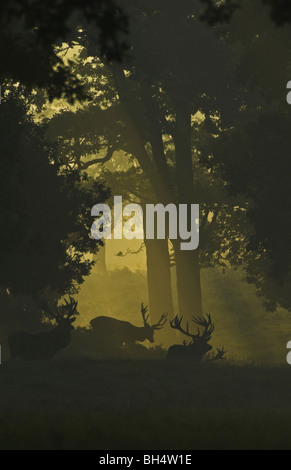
80, 134
135, 112
30, 31
254, 158
160, 90
45, 209
223, 11
158, 263
253, 154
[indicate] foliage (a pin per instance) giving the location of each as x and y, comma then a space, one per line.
45, 211
252, 155
222, 11
102, 124
30, 30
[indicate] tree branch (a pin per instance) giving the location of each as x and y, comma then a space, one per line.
131, 252
96, 161
146, 164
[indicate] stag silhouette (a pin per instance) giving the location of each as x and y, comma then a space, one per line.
196, 349
45, 345
117, 332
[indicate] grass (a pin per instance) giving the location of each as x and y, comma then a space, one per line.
143, 404
81, 400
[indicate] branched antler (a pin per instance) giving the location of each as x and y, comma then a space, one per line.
64, 311
207, 324
70, 308
145, 315
220, 355
161, 323
176, 324
157, 326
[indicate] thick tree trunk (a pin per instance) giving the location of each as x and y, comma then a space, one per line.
187, 262
188, 271
188, 283
159, 279
100, 260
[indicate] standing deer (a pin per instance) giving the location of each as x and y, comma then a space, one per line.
43, 346
117, 332
198, 346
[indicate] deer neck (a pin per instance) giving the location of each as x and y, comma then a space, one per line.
62, 333
142, 333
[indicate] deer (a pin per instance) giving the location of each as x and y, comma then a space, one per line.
198, 346
117, 332
45, 345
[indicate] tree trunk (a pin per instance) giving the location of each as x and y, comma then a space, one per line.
188, 271
159, 279
188, 283
187, 262
100, 260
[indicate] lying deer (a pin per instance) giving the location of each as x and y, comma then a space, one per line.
198, 346
42, 346
117, 332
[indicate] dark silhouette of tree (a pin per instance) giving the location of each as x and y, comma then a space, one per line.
45, 209
103, 125
214, 12
254, 153
30, 30
255, 160
151, 98
223, 11
159, 90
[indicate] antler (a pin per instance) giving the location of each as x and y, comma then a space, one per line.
64, 311
176, 324
219, 355
70, 307
145, 315
161, 323
46, 307
207, 324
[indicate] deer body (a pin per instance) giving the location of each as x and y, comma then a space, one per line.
38, 347
125, 331
119, 332
45, 345
192, 351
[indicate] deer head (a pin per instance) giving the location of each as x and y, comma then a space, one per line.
45, 345
150, 329
65, 315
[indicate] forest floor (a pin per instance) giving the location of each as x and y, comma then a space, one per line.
81, 400
143, 404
